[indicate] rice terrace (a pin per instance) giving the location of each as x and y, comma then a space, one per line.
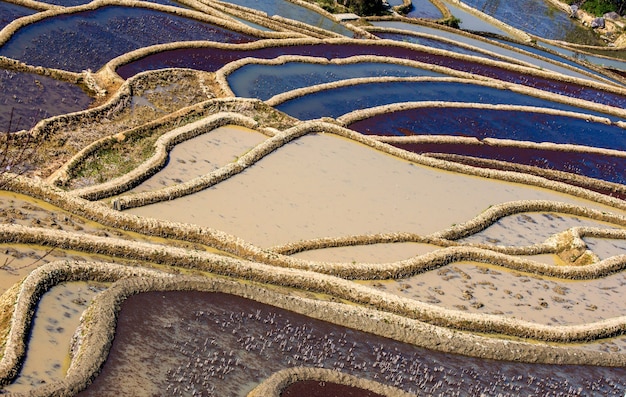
312, 198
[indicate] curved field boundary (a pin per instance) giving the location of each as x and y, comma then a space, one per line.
279, 381
36, 5
95, 335
312, 127
220, 240
277, 22
272, 22
452, 252
57, 74
493, 83
519, 34
610, 188
602, 77
382, 29
131, 56
311, 279
221, 75
162, 147
559, 241
19, 23
361, 114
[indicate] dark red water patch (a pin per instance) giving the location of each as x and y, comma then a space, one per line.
604, 167
313, 388
214, 344
211, 59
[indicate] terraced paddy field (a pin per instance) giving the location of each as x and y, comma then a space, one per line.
254, 198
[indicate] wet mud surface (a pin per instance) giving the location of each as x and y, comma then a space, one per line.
203, 154
479, 288
217, 344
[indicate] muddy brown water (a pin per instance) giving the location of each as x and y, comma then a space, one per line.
480, 288
203, 154
57, 317
325, 186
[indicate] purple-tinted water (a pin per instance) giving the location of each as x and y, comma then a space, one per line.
9, 12
212, 59
442, 45
223, 345
88, 40
342, 100
265, 81
32, 98
493, 123
603, 167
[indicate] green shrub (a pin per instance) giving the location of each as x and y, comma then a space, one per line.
601, 7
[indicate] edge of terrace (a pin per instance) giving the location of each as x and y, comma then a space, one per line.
97, 329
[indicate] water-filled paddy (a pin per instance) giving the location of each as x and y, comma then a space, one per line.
605, 247
87, 40
374, 253
558, 56
421, 9
10, 11
530, 228
471, 22
57, 317
217, 344
537, 17
31, 98
476, 288
315, 187
483, 44
338, 101
495, 123
287, 9
431, 42
265, 81
313, 388
594, 165
203, 154
212, 59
